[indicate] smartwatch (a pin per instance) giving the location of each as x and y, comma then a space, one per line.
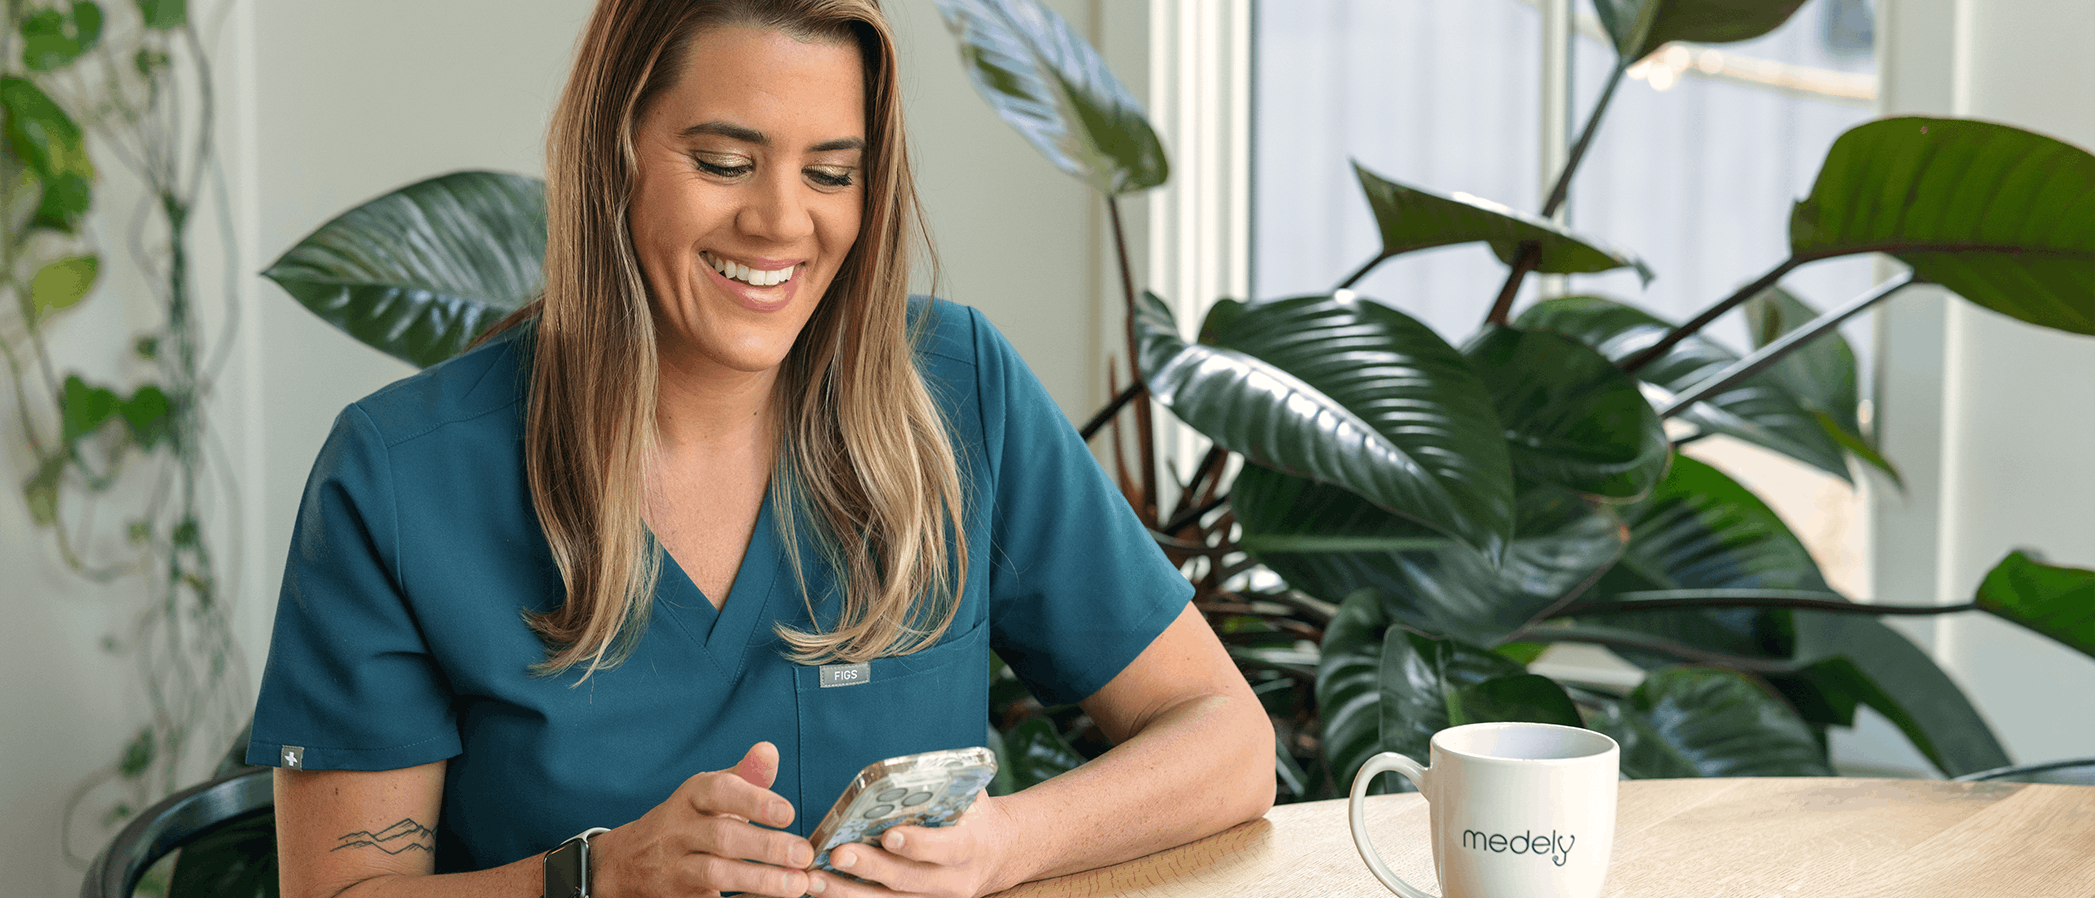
567, 867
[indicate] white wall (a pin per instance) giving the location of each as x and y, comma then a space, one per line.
1992, 419
326, 104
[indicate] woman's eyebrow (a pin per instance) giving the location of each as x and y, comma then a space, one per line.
746, 134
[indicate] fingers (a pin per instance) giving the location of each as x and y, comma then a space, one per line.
712, 873
759, 765
887, 868
728, 792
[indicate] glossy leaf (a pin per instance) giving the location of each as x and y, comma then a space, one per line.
51, 146
1761, 411
1330, 543
2058, 602
238, 860
1347, 392
1641, 26
1349, 688
419, 272
2004, 217
163, 14
1702, 530
1821, 374
1698, 721
1046, 81
1411, 219
1035, 752
1428, 685
62, 284
1526, 697
1572, 418
51, 37
1851, 659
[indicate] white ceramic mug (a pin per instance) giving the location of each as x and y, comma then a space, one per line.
1519, 810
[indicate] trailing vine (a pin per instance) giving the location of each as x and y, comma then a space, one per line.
124, 474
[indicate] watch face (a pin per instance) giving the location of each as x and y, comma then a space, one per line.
566, 871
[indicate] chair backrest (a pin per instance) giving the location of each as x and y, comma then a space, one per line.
2074, 772
178, 820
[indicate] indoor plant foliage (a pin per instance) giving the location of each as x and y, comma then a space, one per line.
1439, 511
121, 469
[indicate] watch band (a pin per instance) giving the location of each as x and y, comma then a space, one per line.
566, 869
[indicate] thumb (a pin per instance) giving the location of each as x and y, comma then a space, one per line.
759, 766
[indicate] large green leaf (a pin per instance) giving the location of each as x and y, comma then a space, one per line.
2004, 217
419, 272
1821, 374
1349, 687
237, 860
1328, 542
1381, 688
1849, 659
1693, 721
1762, 410
1640, 26
1702, 530
1046, 81
2058, 602
1344, 391
1412, 219
1572, 418
1428, 685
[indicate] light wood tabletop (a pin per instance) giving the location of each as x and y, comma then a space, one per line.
1706, 838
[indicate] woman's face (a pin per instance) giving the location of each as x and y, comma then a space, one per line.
747, 195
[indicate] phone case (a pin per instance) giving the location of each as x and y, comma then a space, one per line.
929, 789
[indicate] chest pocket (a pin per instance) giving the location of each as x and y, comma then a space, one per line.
934, 699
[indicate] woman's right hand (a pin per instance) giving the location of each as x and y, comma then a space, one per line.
701, 841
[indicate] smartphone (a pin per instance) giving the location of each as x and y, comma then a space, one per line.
929, 789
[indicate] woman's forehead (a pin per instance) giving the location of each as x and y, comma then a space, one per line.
743, 71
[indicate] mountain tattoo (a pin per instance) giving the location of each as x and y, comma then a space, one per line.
407, 835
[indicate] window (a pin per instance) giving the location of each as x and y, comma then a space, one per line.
1703, 150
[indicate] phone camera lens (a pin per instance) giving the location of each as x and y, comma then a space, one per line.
917, 799
879, 810
890, 795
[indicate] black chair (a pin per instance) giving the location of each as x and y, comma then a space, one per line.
226, 828
2075, 772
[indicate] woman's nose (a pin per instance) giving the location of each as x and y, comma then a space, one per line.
776, 211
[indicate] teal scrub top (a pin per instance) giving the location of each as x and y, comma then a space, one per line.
400, 639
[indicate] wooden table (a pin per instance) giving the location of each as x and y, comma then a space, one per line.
1706, 838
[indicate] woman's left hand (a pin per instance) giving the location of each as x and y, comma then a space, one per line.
959, 861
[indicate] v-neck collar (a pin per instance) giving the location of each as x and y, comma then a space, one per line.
724, 633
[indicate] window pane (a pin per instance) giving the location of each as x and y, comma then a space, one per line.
1436, 94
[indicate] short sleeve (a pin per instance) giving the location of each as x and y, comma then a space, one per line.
1079, 587
350, 682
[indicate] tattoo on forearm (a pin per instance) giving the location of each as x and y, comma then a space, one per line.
407, 835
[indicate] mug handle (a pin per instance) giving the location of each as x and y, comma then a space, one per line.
1381, 763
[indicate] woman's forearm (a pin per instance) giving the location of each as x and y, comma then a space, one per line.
1197, 767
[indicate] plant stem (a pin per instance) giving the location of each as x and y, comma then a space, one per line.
1783, 346
1749, 598
1679, 650
1120, 401
1708, 315
1145, 432
1360, 272
1531, 253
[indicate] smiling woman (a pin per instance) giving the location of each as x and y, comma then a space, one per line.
601, 573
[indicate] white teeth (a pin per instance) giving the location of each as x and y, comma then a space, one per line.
754, 277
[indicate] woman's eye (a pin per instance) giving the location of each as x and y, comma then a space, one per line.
724, 171
838, 177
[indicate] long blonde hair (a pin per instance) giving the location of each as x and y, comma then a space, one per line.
864, 451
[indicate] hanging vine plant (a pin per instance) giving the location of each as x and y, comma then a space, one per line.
122, 467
